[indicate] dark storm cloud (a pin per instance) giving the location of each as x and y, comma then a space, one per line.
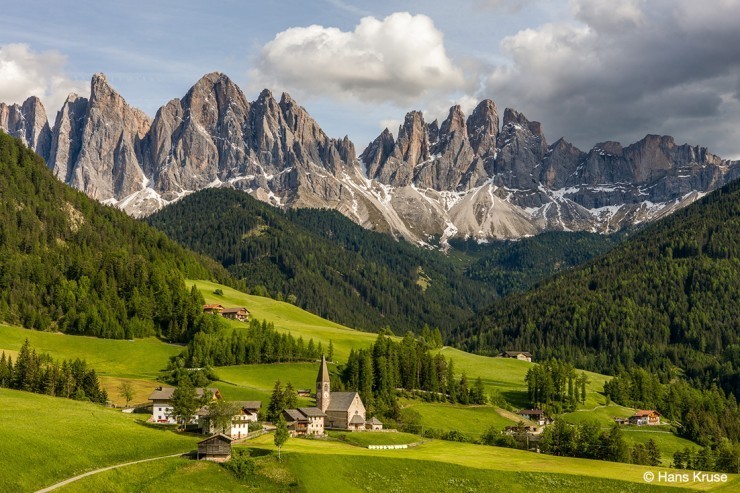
627, 68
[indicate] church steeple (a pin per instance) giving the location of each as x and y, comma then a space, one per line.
323, 386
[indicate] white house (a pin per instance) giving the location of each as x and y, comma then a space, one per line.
162, 404
247, 413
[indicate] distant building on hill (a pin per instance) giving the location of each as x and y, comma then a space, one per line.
238, 313
536, 415
645, 417
213, 308
520, 355
162, 403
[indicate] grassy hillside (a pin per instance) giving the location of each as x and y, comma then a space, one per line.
547, 472
311, 465
46, 439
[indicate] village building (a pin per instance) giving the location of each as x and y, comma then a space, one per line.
213, 308
240, 313
645, 418
520, 355
536, 415
247, 412
305, 421
162, 403
344, 410
216, 448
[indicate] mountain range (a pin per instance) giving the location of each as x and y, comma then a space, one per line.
477, 177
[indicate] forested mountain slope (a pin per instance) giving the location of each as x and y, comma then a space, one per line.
666, 298
71, 264
332, 267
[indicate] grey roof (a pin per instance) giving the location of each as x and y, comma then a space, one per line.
312, 412
165, 393
323, 375
294, 414
531, 412
374, 421
515, 353
234, 310
340, 401
357, 419
250, 405
220, 436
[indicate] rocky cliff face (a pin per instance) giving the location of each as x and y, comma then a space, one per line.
463, 177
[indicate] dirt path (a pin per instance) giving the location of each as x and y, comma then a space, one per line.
103, 469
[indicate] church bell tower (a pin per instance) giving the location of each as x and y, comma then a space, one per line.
323, 386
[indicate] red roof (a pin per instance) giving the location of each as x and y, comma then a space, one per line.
646, 413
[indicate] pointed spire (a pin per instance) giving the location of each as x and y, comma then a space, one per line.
323, 375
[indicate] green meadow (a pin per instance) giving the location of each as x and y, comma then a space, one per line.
375, 438
48, 439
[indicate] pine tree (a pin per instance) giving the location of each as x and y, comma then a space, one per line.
277, 402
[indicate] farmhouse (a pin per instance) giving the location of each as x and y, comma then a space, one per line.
213, 308
240, 313
520, 355
536, 415
344, 410
645, 417
162, 403
216, 448
305, 421
246, 413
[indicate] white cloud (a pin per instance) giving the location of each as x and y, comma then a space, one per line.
25, 73
400, 59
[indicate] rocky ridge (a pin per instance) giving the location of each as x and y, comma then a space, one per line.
464, 177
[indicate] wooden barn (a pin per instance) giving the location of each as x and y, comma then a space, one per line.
216, 448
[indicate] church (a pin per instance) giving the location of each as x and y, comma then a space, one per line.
344, 410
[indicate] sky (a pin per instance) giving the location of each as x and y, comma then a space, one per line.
589, 70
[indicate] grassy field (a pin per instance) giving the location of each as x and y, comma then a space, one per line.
668, 443
535, 472
142, 358
47, 439
472, 421
604, 415
315, 465
375, 438
290, 319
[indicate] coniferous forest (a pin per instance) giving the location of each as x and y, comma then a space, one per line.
71, 264
330, 266
665, 300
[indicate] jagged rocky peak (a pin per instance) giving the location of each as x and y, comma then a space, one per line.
483, 128
561, 164
413, 142
67, 136
522, 147
29, 123
108, 165
377, 152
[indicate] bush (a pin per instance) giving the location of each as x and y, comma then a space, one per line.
240, 464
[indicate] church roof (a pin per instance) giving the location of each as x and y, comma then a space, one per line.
341, 401
357, 420
374, 421
323, 375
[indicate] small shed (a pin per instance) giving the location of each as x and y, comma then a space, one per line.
374, 424
216, 448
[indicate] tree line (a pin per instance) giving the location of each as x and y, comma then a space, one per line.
39, 373
555, 386
705, 416
386, 366
259, 343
